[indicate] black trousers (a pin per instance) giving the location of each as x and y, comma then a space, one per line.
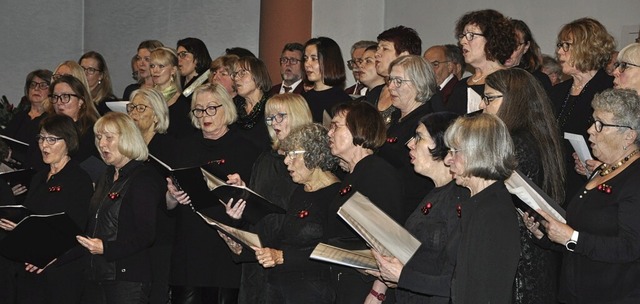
117, 292
309, 287
203, 295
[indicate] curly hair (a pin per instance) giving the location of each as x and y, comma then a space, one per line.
624, 104
496, 29
591, 46
404, 39
314, 140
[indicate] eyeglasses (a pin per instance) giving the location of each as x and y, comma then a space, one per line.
294, 154
160, 66
64, 98
288, 60
623, 65
564, 45
437, 63
397, 81
210, 111
240, 74
183, 54
279, 117
415, 138
469, 35
138, 107
489, 99
38, 85
51, 140
452, 152
90, 70
354, 63
599, 125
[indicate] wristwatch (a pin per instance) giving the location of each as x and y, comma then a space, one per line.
572, 242
380, 296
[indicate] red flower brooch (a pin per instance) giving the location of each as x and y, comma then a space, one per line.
55, 188
345, 190
113, 195
217, 162
605, 188
459, 210
426, 208
392, 140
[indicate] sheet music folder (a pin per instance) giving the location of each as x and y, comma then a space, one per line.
14, 213
361, 259
39, 239
530, 198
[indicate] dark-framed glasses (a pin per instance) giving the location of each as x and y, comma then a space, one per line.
39, 85
210, 111
51, 140
138, 107
598, 125
623, 65
489, 99
397, 81
354, 63
289, 60
90, 70
182, 55
469, 35
64, 98
436, 63
564, 45
278, 117
294, 154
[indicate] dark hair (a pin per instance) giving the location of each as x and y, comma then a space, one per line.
62, 126
200, 53
496, 29
365, 124
522, 93
87, 115
404, 39
330, 60
293, 47
437, 124
42, 74
532, 59
238, 51
258, 71
150, 45
454, 53
104, 89
4, 150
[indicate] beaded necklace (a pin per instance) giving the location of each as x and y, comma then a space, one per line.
604, 171
562, 118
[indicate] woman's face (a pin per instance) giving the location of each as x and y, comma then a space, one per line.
38, 90
420, 154
146, 120
72, 108
210, 125
52, 153
368, 73
142, 62
161, 73
281, 129
91, 71
243, 80
385, 53
186, 63
630, 78
108, 147
516, 56
403, 95
607, 144
62, 70
299, 172
223, 77
491, 95
565, 56
312, 64
473, 51
340, 138
456, 162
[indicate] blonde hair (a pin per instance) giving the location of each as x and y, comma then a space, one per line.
130, 142
168, 57
592, 44
297, 109
158, 105
219, 94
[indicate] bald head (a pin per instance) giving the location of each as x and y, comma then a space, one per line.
442, 66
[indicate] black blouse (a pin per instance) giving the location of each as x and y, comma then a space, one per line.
321, 101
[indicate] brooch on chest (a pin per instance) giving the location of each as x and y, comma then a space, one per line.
345, 190
217, 162
459, 210
426, 208
55, 188
113, 195
392, 140
605, 188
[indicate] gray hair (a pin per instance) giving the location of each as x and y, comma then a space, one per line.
624, 104
486, 145
158, 105
362, 44
420, 72
314, 139
630, 53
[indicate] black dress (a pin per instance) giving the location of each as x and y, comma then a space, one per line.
574, 115
487, 257
373, 97
426, 278
321, 101
179, 121
200, 257
252, 125
376, 179
459, 100
299, 279
57, 284
396, 153
25, 129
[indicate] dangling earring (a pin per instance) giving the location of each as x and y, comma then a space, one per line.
624, 148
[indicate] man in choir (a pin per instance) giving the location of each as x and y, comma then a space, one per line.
357, 53
443, 67
290, 70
